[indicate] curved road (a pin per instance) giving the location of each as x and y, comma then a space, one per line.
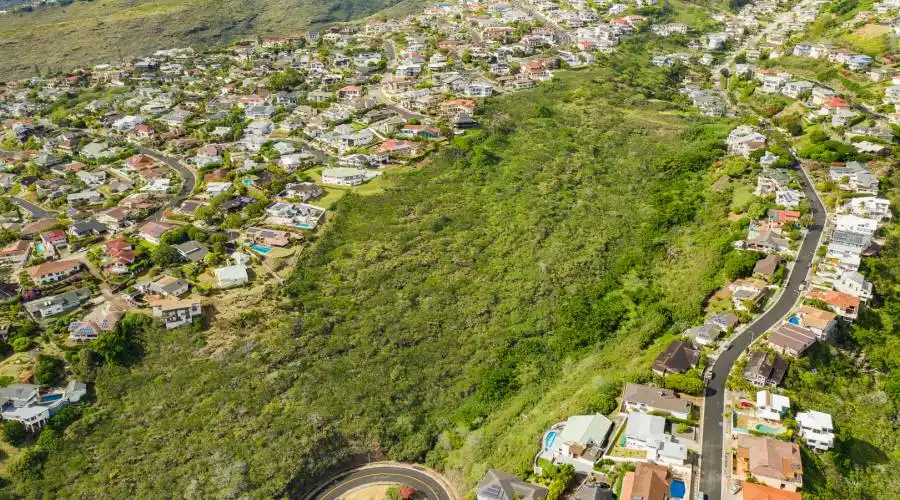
714, 403
405, 475
188, 179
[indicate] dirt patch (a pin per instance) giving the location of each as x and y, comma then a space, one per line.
369, 492
872, 31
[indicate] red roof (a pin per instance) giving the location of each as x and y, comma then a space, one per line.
836, 102
835, 298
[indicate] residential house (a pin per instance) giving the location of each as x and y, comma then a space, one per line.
817, 429
647, 432
703, 335
747, 293
55, 238
89, 227
176, 312
45, 307
304, 191
756, 491
115, 219
192, 251
843, 304
854, 283
765, 369
647, 482
771, 406
92, 179
725, 320
770, 180
498, 485
153, 231
822, 323
168, 286
765, 268
581, 440
91, 327
50, 272
344, 176
16, 252
772, 462
230, 276
645, 398
679, 357
791, 340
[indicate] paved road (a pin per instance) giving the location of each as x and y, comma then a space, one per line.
714, 404
188, 179
37, 211
560, 34
405, 475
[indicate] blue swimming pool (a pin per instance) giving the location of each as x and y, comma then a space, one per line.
677, 489
51, 397
794, 320
247, 182
261, 249
549, 440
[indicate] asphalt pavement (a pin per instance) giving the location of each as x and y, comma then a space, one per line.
714, 403
188, 179
404, 475
36, 211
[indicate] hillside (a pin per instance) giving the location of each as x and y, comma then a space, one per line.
521, 276
60, 38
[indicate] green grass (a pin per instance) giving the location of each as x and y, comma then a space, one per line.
448, 318
742, 197
61, 38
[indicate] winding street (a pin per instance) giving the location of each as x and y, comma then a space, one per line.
188, 179
714, 404
423, 482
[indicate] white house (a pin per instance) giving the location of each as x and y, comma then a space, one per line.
230, 276
344, 176
817, 429
771, 406
647, 432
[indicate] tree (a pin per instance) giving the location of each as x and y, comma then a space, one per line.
47, 370
739, 264
122, 345
683, 382
28, 465
21, 344
14, 432
165, 255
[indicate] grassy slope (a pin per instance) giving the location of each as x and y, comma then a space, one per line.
449, 319
60, 38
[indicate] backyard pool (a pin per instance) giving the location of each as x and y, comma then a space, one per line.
549, 440
794, 320
261, 249
247, 182
774, 431
51, 397
677, 489
39, 247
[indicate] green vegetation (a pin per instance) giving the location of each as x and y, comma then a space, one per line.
525, 274
863, 402
84, 33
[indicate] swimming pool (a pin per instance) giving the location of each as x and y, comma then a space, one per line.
677, 489
549, 440
39, 247
261, 249
51, 397
794, 320
247, 182
774, 431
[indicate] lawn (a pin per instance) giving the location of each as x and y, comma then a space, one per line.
742, 197
872, 39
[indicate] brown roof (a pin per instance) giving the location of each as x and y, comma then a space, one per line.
38, 226
679, 357
753, 491
648, 482
792, 337
771, 458
15, 247
52, 267
815, 317
767, 265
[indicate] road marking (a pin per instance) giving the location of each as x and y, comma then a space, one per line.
381, 474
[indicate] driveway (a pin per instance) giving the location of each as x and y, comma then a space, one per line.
425, 483
714, 403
